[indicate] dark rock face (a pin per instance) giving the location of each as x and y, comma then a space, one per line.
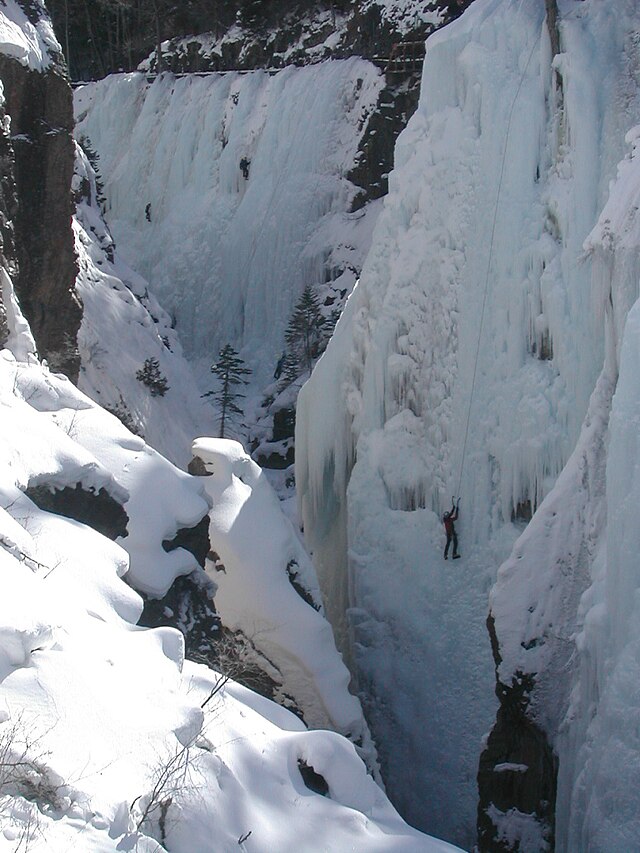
101, 38
8, 205
189, 606
95, 509
518, 767
278, 456
397, 103
192, 539
284, 424
294, 579
275, 33
197, 468
41, 110
314, 781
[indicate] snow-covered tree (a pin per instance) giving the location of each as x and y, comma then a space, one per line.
231, 370
150, 375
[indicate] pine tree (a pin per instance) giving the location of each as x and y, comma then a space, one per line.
231, 370
304, 335
151, 376
93, 157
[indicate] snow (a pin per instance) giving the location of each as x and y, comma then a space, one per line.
228, 257
480, 251
20, 340
509, 767
519, 831
31, 44
117, 307
257, 544
109, 739
70, 440
404, 15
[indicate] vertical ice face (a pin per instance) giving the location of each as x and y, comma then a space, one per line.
219, 186
465, 362
598, 742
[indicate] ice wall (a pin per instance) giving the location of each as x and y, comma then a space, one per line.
574, 572
465, 362
598, 800
117, 307
229, 248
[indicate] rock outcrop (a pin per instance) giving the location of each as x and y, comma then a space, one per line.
518, 770
37, 159
98, 509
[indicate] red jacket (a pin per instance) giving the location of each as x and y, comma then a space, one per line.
448, 520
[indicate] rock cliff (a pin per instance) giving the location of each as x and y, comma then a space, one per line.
37, 166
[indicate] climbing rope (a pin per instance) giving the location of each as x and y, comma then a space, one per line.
490, 259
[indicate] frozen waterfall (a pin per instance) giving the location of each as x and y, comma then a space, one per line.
499, 179
229, 192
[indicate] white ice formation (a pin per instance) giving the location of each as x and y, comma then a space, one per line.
122, 326
465, 362
230, 193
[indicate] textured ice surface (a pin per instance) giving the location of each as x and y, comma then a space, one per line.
499, 179
122, 326
228, 256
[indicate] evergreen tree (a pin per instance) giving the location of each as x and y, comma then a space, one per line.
290, 370
151, 376
93, 157
305, 332
231, 370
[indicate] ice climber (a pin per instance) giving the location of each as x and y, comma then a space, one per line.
448, 520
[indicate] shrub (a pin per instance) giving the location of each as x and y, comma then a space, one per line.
150, 375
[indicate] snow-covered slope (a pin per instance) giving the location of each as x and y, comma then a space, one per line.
258, 554
109, 739
122, 327
266, 588
465, 363
30, 41
227, 247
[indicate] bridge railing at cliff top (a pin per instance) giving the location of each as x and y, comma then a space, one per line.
404, 58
